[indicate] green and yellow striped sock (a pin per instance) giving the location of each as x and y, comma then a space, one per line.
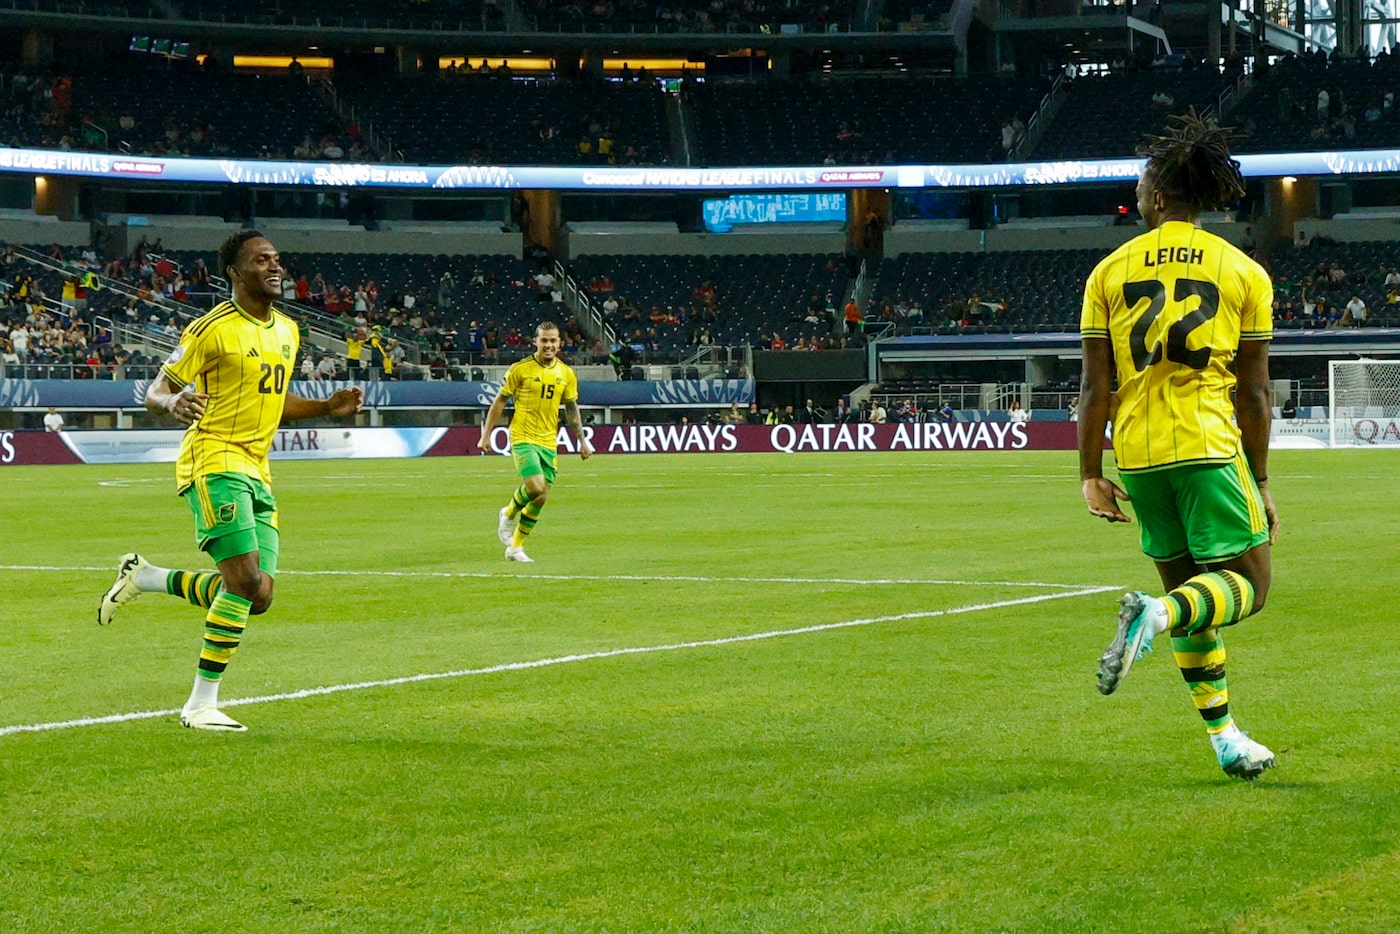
1201, 658
518, 500
198, 587
223, 629
1209, 600
528, 517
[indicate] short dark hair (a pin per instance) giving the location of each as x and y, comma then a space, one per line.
546, 326
233, 246
1191, 164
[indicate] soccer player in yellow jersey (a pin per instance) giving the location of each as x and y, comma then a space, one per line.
237, 361
539, 384
1170, 314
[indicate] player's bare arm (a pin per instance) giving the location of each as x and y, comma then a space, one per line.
585, 450
163, 397
1101, 495
1254, 414
488, 424
341, 403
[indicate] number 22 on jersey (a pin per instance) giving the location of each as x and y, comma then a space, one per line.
1174, 348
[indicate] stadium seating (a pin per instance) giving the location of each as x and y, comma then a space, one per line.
1280, 113
1107, 116
436, 15
505, 300
1365, 264
689, 16
757, 295
881, 121
141, 350
180, 108
1042, 290
513, 122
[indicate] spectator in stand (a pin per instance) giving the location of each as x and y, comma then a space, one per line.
753, 416
53, 422
878, 415
841, 413
1355, 313
810, 414
852, 315
1017, 415
1289, 409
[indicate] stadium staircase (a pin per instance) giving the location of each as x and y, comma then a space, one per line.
580, 304
132, 337
680, 121
1039, 121
382, 149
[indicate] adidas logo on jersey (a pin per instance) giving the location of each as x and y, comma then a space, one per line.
253, 352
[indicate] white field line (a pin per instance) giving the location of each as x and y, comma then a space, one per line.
660, 578
549, 662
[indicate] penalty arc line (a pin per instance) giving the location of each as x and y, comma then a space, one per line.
643, 578
549, 662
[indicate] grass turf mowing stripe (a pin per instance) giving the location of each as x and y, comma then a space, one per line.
665, 578
557, 660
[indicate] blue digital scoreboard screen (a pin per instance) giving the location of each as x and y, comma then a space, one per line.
723, 214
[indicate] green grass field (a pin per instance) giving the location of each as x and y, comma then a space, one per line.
916, 746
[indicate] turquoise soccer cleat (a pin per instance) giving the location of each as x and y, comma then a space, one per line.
1133, 640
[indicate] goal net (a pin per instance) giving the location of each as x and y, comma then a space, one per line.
1364, 403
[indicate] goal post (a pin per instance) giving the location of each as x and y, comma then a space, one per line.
1363, 403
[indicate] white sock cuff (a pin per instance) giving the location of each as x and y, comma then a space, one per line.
150, 578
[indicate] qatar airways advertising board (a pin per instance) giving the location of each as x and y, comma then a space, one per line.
332, 443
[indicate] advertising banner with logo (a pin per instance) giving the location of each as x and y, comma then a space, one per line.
156, 446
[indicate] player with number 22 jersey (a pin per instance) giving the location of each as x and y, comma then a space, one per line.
1175, 303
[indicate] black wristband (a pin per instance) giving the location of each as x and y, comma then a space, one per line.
1259, 480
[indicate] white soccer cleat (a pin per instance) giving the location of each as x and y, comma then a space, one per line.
517, 553
212, 719
505, 526
123, 591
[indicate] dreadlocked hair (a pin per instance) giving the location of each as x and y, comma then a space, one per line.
1191, 164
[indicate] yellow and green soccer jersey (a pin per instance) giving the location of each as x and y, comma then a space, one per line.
1175, 303
538, 392
244, 365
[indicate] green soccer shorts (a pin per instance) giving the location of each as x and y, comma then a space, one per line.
531, 460
235, 514
1213, 512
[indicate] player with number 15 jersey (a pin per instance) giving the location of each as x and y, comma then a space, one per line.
1175, 303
